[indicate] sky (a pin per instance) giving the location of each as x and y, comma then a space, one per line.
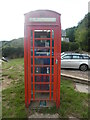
12, 14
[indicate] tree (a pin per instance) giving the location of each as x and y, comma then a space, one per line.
81, 33
70, 33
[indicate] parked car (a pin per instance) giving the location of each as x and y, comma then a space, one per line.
76, 61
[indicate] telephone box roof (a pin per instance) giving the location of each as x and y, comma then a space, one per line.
37, 11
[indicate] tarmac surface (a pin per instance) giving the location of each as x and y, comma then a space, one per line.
81, 79
76, 75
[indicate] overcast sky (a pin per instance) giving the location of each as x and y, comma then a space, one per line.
12, 14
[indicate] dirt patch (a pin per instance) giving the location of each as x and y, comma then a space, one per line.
10, 68
7, 82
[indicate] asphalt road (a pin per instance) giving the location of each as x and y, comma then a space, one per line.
76, 73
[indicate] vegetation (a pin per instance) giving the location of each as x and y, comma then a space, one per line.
72, 103
81, 33
13, 96
13, 48
69, 46
70, 33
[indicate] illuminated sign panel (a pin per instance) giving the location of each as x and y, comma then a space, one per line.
42, 19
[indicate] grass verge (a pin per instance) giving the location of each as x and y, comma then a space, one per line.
72, 103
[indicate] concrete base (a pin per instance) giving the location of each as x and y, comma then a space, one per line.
82, 88
36, 104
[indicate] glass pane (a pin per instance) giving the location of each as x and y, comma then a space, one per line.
31, 69
32, 94
52, 33
31, 38
31, 34
52, 78
85, 57
42, 70
75, 56
31, 87
31, 61
52, 52
42, 61
52, 43
52, 70
41, 86
67, 57
42, 78
31, 78
42, 95
31, 43
42, 33
42, 43
31, 91
52, 87
42, 52
31, 52
52, 61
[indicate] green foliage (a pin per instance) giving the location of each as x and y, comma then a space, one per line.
13, 48
70, 33
13, 43
73, 46
69, 46
64, 46
12, 52
82, 32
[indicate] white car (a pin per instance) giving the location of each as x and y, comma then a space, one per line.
75, 60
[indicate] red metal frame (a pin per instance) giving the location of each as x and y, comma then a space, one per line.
56, 27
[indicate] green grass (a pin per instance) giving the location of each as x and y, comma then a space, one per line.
13, 102
72, 103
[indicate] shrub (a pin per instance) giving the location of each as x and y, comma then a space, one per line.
69, 46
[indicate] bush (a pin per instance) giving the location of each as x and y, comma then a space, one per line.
64, 46
69, 46
73, 46
12, 52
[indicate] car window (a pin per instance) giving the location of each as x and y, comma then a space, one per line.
86, 57
77, 57
80, 56
67, 57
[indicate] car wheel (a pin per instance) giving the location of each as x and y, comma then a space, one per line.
83, 67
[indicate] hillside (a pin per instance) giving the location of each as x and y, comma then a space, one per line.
13, 43
13, 48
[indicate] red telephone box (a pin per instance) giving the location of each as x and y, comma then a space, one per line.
42, 48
